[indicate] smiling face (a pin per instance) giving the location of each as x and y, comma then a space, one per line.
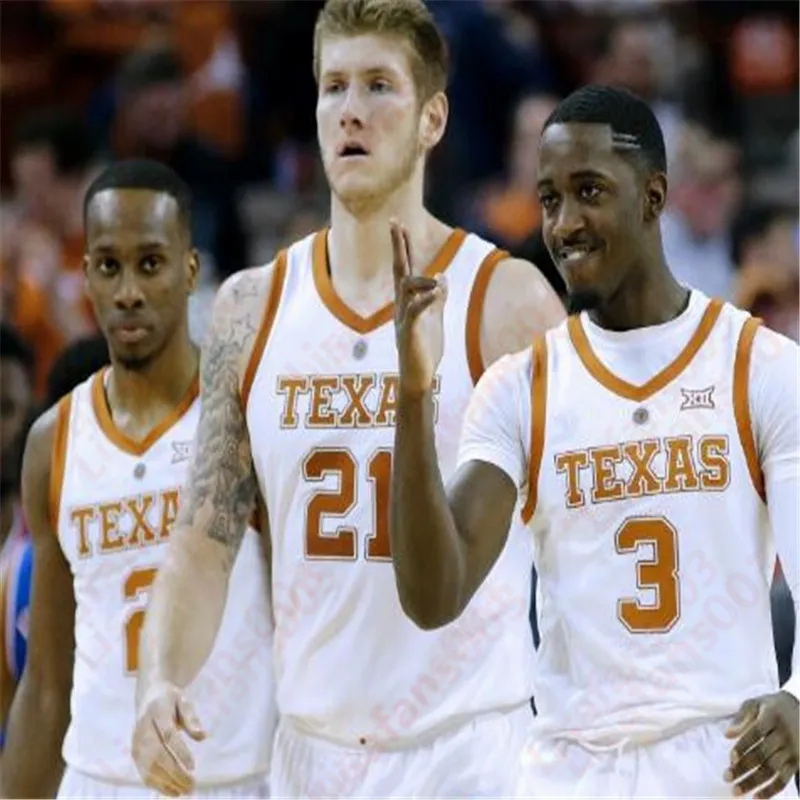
140, 271
598, 207
372, 127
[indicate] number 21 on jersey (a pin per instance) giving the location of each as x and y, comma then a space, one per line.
343, 543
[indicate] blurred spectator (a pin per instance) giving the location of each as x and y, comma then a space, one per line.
151, 122
52, 160
16, 409
76, 363
765, 250
636, 53
507, 210
496, 57
704, 196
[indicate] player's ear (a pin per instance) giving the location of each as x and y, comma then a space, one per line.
655, 196
433, 120
193, 265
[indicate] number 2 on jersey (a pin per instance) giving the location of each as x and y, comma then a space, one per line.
342, 544
658, 574
137, 583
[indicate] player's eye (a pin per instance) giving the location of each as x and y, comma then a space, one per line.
590, 192
333, 87
547, 201
107, 266
151, 263
380, 86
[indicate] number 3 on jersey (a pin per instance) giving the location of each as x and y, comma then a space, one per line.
342, 544
136, 586
658, 574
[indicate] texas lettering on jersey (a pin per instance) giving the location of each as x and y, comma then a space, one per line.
125, 523
649, 467
366, 400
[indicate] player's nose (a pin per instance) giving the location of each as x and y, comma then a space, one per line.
353, 111
569, 221
128, 293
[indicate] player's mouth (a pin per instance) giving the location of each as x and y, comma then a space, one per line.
575, 254
352, 150
130, 332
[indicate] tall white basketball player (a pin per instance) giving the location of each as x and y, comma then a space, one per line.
299, 391
102, 480
653, 443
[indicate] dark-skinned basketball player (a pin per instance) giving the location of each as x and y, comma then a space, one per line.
652, 443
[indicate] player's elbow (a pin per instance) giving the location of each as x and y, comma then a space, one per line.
432, 603
430, 615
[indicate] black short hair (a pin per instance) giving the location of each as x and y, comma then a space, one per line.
142, 173
14, 348
64, 133
633, 124
78, 362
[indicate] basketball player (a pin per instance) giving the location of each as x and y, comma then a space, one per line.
299, 387
641, 437
16, 407
102, 475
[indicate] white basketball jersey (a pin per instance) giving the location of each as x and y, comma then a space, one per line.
350, 666
652, 545
116, 501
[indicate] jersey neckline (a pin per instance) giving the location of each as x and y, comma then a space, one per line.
136, 447
346, 315
638, 393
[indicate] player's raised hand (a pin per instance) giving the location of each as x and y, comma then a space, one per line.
418, 317
159, 750
765, 757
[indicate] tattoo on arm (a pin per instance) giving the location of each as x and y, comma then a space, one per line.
222, 484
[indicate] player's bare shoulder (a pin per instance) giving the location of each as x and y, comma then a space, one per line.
238, 313
37, 465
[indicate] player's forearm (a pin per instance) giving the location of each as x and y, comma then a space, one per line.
428, 555
185, 611
32, 763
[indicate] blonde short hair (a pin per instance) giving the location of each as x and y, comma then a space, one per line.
407, 20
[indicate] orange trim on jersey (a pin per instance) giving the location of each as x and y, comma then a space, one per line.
340, 309
58, 459
538, 421
477, 298
122, 440
741, 402
265, 328
603, 375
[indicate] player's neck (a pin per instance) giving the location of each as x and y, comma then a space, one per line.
651, 296
161, 384
360, 245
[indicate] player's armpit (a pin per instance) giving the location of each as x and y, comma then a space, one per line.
519, 305
32, 765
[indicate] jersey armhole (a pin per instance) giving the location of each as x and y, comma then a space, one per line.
477, 299
265, 326
58, 459
538, 419
741, 402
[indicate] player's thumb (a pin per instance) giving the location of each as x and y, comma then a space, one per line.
744, 717
187, 719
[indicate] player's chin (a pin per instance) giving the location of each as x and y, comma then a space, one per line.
133, 356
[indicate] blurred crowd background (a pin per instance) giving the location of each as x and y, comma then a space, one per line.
223, 92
